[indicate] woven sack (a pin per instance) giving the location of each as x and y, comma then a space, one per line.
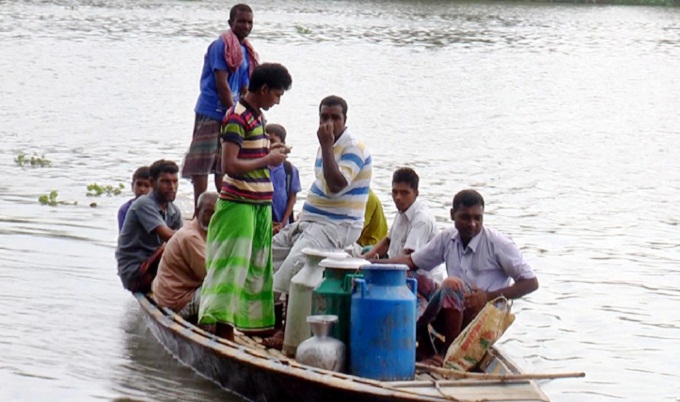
470, 346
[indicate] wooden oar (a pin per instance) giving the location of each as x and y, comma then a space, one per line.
497, 377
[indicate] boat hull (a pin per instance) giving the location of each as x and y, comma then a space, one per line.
256, 376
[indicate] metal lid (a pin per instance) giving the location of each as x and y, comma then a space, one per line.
335, 253
344, 263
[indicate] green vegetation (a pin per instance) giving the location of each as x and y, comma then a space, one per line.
51, 199
302, 30
96, 190
35, 160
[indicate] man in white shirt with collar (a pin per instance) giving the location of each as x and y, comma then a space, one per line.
413, 227
481, 262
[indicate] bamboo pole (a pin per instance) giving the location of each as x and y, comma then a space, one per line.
497, 377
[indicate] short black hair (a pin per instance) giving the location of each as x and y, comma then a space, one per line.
162, 166
406, 175
273, 75
334, 100
142, 172
239, 7
467, 198
277, 130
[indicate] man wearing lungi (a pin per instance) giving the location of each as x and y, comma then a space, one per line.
227, 66
237, 291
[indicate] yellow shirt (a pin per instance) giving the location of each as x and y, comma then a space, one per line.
375, 224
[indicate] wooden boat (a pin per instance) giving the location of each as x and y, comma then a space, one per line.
246, 368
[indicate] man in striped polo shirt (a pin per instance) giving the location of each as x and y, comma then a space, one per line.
333, 214
237, 290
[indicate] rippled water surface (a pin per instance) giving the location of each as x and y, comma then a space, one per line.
564, 117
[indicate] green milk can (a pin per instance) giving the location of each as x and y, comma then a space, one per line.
333, 296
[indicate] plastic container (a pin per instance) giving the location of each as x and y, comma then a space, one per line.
334, 293
300, 297
322, 350
383, 318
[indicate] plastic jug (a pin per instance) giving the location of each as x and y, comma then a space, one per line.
334, 293
300, 297
383, 324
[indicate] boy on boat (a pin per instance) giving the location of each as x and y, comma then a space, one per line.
413, 227
286, 180
150, 222
141, 185
482, 264
182, 268
228, 64
237, 290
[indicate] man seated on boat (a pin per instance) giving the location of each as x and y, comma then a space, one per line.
150, 222
413, 227
482, 264
182, 267
375, 223
333, 214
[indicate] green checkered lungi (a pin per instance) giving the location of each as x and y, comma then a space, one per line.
237, 289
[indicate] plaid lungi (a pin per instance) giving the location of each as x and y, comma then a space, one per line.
237, 289
204, 153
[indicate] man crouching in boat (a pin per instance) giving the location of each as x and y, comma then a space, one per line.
150, 222
482, 265
237, 290
182, 267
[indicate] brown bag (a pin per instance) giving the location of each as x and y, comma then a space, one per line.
470, 346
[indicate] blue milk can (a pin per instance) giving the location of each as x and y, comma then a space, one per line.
383, 333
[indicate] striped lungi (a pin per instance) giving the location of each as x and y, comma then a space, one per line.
203, 157
237, 289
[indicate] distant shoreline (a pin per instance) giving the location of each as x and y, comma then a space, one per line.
670, 3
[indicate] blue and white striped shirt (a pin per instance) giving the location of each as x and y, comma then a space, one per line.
348, 205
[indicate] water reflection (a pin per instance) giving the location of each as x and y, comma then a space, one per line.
150, 371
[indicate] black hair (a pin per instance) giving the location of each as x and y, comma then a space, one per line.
406, 175
277, 130
334, 100
142, 172
162, 166
239, 7
467, 198
273, 75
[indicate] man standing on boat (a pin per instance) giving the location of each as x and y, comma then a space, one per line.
237, 290
227, 67
150, 222
482, 264
333, 214
182, 268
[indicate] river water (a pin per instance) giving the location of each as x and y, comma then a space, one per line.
565, 117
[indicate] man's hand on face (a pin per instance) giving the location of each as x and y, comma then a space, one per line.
325, 135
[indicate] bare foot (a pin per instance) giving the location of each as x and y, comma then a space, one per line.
435, 360
275, 341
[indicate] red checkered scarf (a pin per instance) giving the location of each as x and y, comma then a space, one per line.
233, 54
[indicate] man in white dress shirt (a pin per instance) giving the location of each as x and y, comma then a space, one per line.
481, 263
413, 227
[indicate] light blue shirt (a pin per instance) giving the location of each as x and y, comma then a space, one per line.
491, 260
